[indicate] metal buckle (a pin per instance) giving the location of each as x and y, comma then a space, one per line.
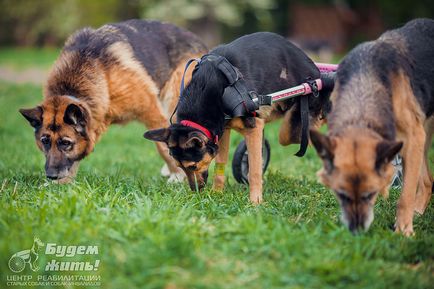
313, 87
262, 99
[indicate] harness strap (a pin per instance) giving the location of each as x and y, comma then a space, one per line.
231, 72
304, 115
185, 70
183, 85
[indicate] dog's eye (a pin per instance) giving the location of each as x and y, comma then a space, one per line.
367, 197
65, 143
192, 168
343, 197
45, 140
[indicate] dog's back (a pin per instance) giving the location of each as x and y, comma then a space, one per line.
158, 47
270, 63
365, 77
419, 38
281, 63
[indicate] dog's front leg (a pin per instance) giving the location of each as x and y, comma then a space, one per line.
221, 160
254, 147
413, 160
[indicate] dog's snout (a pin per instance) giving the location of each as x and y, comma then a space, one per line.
197, 186
51, 172
355, 228
357, 223
52, 176
205, 177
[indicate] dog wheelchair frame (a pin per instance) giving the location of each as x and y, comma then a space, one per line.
240, 164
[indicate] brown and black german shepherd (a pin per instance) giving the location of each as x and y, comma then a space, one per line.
383, 103
115, 74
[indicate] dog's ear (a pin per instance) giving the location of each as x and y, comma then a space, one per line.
386, 151
194, 141
77, 116
33, 116
324, 147
161, 134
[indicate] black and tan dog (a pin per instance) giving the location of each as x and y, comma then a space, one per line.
262, 62
383, 103
117, 73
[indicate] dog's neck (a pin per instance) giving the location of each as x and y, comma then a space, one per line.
91, 88
201, 101
357, 106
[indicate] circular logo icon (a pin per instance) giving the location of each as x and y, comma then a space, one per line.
16, 264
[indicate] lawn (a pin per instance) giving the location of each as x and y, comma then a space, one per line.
154, 235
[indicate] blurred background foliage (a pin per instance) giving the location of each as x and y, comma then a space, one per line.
335, 23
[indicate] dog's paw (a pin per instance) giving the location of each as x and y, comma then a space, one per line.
165, 171
219, 183
176, 177
404, 229
256, 198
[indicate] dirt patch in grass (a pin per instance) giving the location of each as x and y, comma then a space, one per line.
34, 75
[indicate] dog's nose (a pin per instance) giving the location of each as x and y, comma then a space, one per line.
52, 176
355, 228
198, 187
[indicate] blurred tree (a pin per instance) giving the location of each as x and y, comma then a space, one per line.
50, 22
36, 22
207, 18
396, 13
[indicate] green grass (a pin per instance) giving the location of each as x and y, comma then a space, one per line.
21, 58
154, 235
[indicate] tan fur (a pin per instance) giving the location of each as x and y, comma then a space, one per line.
170, 92
354, 153
424, 193
410, 126
253, 137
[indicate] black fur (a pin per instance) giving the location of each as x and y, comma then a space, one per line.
260, 57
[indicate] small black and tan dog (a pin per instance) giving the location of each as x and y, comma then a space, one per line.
262, 62
114, 74
383, 103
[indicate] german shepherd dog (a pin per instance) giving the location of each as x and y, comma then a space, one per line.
383, 103
115, 74
267, 63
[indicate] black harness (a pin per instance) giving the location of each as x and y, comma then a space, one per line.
238, 101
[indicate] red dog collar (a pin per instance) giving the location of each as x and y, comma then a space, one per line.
197, 126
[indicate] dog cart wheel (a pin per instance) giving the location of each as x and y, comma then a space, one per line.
397, 179
240, 162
